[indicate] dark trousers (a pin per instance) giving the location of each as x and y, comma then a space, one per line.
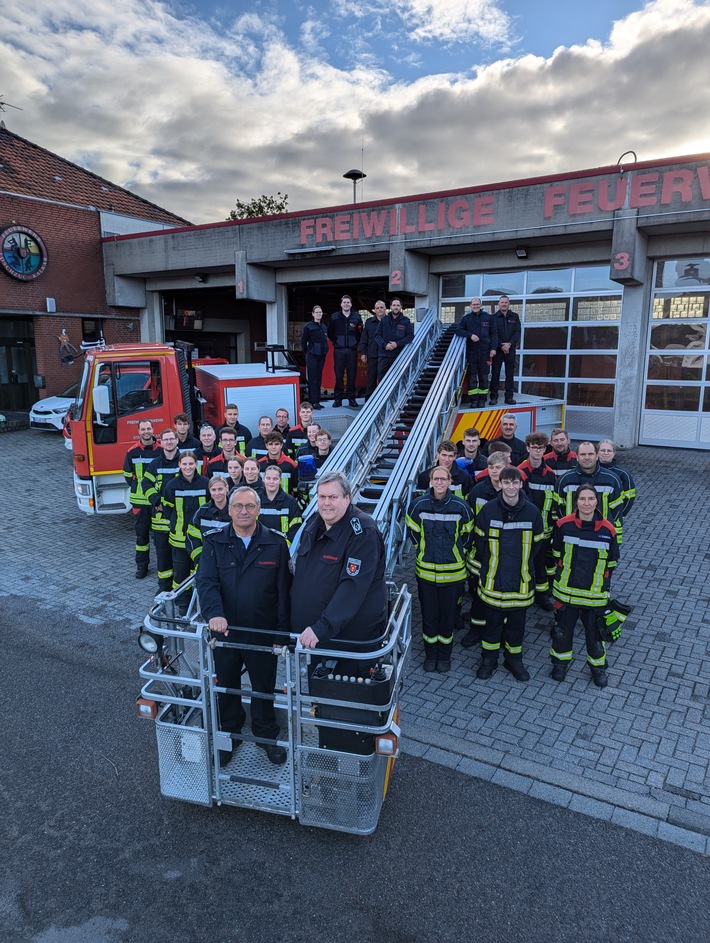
164, 556
182, 565
542, 580
314, 373
384, 362
344, 361
498, 361
504, 627
262, 674
141, 519
477, 370
371, 375
565, 620
438, 602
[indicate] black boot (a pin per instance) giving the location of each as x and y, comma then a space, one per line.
559, 671
516, 667
472, 637
487, 667
544, 602
599, 675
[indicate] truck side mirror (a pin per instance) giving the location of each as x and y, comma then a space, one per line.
101, 401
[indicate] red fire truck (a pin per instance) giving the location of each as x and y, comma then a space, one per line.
125, 383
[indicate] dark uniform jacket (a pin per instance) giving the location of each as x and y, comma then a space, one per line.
282, 514
605, 483
218, 466
204, 458
159, 473
479, 496
539, 486
256, 447
289, 471
314, 339
246, 587
399, 329
297, 437
134, 467
507, 540
243, 436
586, 552
507, 327
479, 463
442, 532
518, 449
461, 484
339, 587
483, 325
344, 333
628, 485
207, 520
191, 444
181, 499
368, 343
560, 463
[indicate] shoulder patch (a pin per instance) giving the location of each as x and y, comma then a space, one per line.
354, 566
356, 525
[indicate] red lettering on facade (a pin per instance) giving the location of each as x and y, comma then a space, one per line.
342, 227
324, 229
423, 225
440, 215
581, 198
644, 190
483, 211
404, 226
459, 214
554, 196
373, 223
393, 221
704, 181
677, 181
307, 226
356, 226
609, 204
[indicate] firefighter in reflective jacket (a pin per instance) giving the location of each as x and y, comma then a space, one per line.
508, 534
539, 483
209, 518
339, 590
279, 511
586, 549
134, 467
182, 496
158, 474
441, 527
606, 483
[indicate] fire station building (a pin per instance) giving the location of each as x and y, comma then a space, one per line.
608, 268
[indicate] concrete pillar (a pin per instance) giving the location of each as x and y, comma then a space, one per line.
630, 363
277, 318
152, 319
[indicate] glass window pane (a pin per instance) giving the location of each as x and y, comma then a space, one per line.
673, 273
597, 309
675, 398
553, 390
595, 338
706, 400
678, 336
593, 278
549, 281
685, 306
536, 311
504, 283
670, 367
453, 286
473, 287
545, 338
590, 394
453, 312
589, 366
544, 365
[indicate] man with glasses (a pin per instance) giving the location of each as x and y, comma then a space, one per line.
244, 580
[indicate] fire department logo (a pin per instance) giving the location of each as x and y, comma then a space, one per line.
354, 566
23, 254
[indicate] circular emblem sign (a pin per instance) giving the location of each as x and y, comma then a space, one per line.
23, 254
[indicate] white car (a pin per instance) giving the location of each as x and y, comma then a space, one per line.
49, 413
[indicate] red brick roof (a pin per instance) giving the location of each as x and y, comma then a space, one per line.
30, 170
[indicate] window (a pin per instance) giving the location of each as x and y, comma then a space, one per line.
91, 330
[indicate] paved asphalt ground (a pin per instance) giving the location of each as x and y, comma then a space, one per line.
464, 846
91, 853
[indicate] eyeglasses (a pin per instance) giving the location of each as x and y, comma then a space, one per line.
537, 448
245, 507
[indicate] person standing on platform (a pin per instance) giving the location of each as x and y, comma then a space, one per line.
441, 528
394, 333
507, 325
134, 467
344, 333
369, 348
479, 329
314, 344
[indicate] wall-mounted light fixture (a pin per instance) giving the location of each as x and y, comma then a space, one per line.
620, 165
521, 252
200, 277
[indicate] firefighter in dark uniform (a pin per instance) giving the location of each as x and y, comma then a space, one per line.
560, 457
539, 485
394, 333
344, 333
441, 527
588, 470
339, 591
479, 329
369, 348
208, 450
187, 442
314, 344
209, 518
585, 547
508, 328
279, 511
181, 499
508, 534
159, 473
461, 484
244, 580
607, 459
134, 467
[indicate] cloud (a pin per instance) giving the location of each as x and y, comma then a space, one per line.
193, 115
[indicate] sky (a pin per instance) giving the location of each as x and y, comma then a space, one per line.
194, 105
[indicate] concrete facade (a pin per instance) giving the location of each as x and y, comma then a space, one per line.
623, 218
